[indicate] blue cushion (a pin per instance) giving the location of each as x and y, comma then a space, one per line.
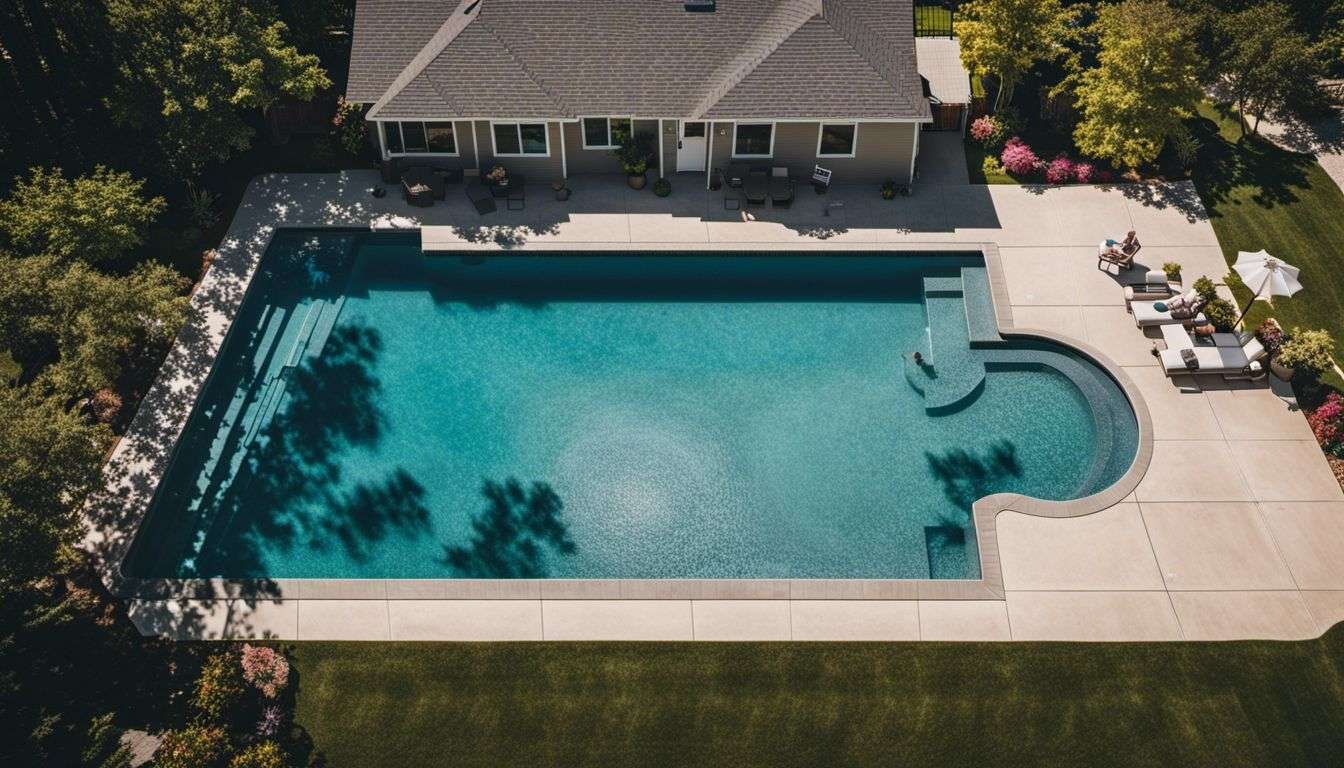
1160, 306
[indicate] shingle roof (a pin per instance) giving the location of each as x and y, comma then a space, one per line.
940, 65
649, 58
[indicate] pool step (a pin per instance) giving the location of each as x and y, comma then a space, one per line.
982, 327
952, 372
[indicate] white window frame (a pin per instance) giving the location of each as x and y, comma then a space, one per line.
518, 126
403, 153
854, 145
773, 128
611, 139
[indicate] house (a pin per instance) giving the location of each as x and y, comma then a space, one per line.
543, 86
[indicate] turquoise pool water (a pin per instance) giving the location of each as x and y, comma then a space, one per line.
379, 413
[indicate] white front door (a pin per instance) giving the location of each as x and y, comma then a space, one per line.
691, 146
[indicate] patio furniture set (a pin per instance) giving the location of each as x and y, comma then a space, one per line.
1192, 345
421, 185
745, 185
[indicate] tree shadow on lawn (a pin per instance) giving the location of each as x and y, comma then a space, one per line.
1225, 166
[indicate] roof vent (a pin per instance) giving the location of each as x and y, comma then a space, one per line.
699, 6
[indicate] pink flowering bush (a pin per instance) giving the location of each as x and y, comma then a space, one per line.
1083, 172
983, 128
1060, 170
266, 669
1018, 159
1327, 423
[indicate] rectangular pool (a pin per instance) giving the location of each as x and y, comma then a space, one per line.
377, 412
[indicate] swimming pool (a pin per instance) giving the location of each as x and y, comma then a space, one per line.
379, 412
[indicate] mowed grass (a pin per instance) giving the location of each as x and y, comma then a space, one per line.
1260, 196
799, 704
932, 20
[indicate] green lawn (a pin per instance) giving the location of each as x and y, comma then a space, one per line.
932, 20
777, 704
1260, 196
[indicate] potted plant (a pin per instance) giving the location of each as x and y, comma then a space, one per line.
561, 191
497, 176
1306, 352
1271, 336
1172, 271
662, 187
634, 151
888, 190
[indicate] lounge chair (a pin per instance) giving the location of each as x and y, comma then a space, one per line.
426, 176
1120, 254
481, 198
1244, 361
821, 178
781, 187
1183, 309
757, 188
1154, 287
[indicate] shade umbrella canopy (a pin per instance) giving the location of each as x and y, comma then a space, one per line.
1266, 275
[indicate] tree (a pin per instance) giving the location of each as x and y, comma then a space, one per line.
100, 320
1144, 84
1005, 38
194, 67
49, 460
1261, 63
97, 218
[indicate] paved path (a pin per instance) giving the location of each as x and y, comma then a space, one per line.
1323, 138
1235, 531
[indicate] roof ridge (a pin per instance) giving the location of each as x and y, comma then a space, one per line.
867, 43
562, 106
466, 12
791, 14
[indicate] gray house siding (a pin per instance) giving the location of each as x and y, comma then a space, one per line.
540, 169
586, 160
883, 151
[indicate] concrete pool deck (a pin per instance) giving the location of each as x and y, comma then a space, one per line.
1233, 530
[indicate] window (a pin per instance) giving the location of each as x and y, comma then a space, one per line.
392, 138
837, 139
519, 139
604, 132
693, 130
753, 139
416, 137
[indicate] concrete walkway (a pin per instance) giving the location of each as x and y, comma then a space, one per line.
1323, 138
1235, 531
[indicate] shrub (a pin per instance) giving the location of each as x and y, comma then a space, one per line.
263, 754
1172, 270
1327, 423
1205, 288
1185, 145
888, 190
991, 166
272, 720
635, 151
985, 128
1083, 172
1105, 177
1271, 336
219, 687
201, 207
1010, 120
1307, 351
265, 668
196, 746
105, 405
349, 126
662, 187
1222, 314
1018, 159
1060, 170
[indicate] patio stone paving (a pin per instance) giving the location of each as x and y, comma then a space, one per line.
1237, 511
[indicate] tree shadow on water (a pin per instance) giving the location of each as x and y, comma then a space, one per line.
967, 476
512, 535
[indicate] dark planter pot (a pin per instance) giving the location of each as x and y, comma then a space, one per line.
562, 194
636, 181
1281, 371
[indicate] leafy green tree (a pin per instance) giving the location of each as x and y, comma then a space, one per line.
96, 218
99, 320
1005, 38
49, 460
1144, 84
1262, 63
193, 68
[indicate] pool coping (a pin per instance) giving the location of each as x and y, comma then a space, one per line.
113, 514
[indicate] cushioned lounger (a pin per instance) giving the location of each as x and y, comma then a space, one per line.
1222, 360
1145, 314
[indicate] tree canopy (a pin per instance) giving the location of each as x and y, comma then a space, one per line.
191, 68
96, 218
1005, 38
1144, 84
1261, 63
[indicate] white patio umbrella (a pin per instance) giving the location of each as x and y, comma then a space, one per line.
1265, 275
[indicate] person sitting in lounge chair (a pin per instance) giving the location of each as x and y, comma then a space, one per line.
1119, 253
